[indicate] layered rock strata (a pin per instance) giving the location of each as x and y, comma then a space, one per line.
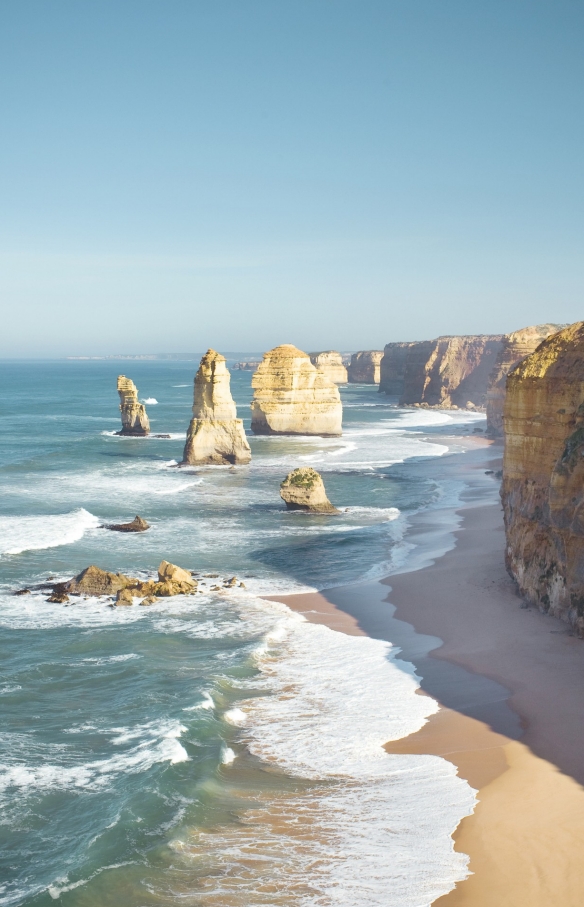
450, 371
134, 419
215, 435
331, 364
303, 489
515, 348
392, 369
291, 396
543, 476
365, 367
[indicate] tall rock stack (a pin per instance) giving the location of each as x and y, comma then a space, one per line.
543, 476
392, 368
134, 419
450, 371
292, 397
364, 367
215, 435
331, 364
516, 347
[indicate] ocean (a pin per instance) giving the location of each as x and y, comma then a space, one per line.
215, 749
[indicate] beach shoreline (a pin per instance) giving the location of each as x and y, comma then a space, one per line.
508, 681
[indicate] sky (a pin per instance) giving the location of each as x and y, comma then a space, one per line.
179, 174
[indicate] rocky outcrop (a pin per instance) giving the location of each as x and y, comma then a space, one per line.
93, 581
543, 476
137, 525
134, 419
516, 347
291, 396
215, 435
392, 369
331, 364
303, 489
450, 371
365, 367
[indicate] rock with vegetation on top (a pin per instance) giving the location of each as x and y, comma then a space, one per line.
450, 372
134, 419
215, 435
303, 489
543, 476
365, 367
516, 347
137, 525
331, 364
291, 396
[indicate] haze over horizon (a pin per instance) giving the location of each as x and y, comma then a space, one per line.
330, 174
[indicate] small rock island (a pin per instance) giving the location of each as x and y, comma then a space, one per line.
303, 489
134, 419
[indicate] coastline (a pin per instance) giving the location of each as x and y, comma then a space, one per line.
508, 680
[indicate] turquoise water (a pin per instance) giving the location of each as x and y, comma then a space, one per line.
211, 749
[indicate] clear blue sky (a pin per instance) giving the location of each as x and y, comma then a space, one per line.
177, 174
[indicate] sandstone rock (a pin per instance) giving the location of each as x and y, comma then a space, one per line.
124, 597
331, 364
94, 581
392, 369
215, 435
134, 418
291, 396
149, 600
171, 573
365, 367
137, 525
543, 475
516, 347
450, 371
248, 365
59, 598
303, 489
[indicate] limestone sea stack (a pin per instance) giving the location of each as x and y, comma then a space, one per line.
134, 419
516, 347
365, 367
450, 371
392, 369
303, 489
543, 476
331, 364
215, 435
292, 397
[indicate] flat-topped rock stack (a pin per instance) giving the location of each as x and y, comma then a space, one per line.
331, 364
134, 419
516, 347
292, 397
215, 436
365, 367
543, 476
392, 368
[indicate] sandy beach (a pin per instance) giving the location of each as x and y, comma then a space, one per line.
509, 682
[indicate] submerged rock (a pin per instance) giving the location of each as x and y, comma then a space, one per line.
137, 525
94, 581
365, 367
134, 419
303, 489
291, 396
215, 435
331, 364
59, 598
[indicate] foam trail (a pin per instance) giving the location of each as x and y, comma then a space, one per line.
34, 533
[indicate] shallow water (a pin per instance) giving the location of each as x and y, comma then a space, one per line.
214, 749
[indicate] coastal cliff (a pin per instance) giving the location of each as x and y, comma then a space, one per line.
364, 367
134, 419
450, 371
215, 435
392, 368
331, 364
291, 396
516, 347
543, 476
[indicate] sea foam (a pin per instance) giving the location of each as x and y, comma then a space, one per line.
34, 533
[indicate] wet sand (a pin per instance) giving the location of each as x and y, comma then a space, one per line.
510, 683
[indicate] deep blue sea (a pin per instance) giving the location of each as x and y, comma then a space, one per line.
214, 749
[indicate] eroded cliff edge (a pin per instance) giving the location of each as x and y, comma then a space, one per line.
330, 363
543, 476
450, 371
365, 367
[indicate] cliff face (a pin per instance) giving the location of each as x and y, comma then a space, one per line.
450, 371
364, 367
392, 368
331, 364
543, 475
291, 396
134, 419
215, 435
516, 347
